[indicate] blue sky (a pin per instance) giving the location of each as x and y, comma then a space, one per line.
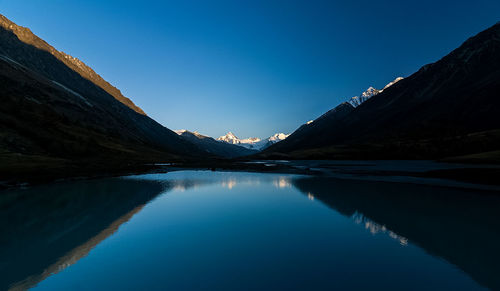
250, 67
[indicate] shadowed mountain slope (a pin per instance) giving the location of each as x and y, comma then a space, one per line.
303, 135
447, 108
26, 36
58, 112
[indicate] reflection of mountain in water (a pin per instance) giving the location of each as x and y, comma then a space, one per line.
376, 228
46, 229
177, 181
459, 226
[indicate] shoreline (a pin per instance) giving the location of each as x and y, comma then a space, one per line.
465, 176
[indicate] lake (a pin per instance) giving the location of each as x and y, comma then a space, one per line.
203, 230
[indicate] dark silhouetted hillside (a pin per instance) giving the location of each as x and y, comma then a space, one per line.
447, 108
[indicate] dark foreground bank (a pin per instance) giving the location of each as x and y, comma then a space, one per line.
22, 172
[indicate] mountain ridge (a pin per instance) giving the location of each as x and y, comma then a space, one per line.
447, 108
27, 36
314, 127
370, 92
52, 118
213, 146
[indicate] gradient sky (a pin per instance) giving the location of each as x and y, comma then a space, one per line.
250, 67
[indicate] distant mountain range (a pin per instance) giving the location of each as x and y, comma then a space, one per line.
215, 147
447, 109
253, 143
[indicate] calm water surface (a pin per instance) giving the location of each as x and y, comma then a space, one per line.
235, 231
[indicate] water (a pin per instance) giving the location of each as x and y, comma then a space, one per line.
237, 231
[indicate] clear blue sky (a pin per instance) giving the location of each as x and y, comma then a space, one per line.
251, 67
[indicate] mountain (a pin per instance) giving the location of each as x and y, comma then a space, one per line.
57, 112
214, 147
26, 36
277, 137
301, 137
253, 143
447, 108
370, 92
392, 83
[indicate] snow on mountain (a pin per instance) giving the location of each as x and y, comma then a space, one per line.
370, 92
214, 147
253, 143
277, 137
393, 82
180, 131
357, 100
229, 138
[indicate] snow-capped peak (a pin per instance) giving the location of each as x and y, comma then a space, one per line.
370, 92
278, 137
254, 143
231, 135
229, 138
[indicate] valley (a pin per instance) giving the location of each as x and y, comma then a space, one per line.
172, 145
